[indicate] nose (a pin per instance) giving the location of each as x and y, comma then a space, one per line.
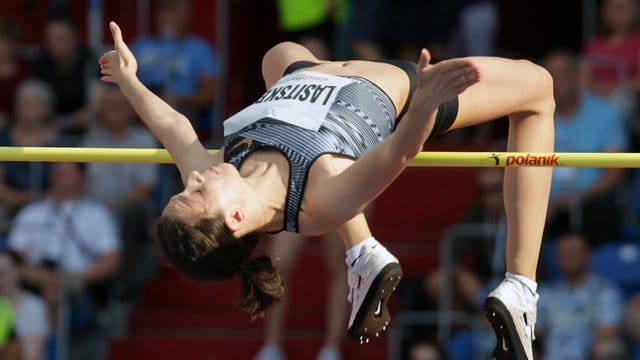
195, 179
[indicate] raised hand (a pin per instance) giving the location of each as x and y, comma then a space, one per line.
119, 64
443, 81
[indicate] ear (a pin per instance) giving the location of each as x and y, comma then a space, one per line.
234, 220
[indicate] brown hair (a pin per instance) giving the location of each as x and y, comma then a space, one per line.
207, 250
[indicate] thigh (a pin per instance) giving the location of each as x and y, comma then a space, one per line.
506, 87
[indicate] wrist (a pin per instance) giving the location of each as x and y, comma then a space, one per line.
129, 80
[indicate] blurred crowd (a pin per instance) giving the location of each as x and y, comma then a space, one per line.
76, 240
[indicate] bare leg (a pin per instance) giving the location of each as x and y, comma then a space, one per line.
354, 231
523, 91
286, 246
337, 286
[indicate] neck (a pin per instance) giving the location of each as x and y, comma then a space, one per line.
267, 213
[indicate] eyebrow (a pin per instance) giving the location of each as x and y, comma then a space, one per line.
190, 201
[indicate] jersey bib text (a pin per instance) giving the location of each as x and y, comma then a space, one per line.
301, 99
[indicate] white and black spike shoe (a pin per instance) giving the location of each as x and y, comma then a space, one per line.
373, 276
513, 321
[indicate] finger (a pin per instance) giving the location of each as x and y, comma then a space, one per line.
462, 84
425, 58
116, 34
458, 68
108, 79
452, 64
118, 42
465, 76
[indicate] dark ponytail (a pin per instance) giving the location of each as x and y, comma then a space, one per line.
261, 286
207, 250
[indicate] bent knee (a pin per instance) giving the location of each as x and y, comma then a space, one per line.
282, 54
540, 83
281, 50
276, 59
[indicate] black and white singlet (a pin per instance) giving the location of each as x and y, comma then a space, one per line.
361, 116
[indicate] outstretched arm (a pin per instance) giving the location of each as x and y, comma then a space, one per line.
367, 177
171, 128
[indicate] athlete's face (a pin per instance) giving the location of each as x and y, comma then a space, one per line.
217, 189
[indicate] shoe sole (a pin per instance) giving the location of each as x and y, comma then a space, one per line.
373, 316
505, 330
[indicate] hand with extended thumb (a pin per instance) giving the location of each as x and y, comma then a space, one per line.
119, 64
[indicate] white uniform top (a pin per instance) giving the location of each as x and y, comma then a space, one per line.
73, 234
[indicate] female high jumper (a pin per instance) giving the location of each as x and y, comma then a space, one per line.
324, 141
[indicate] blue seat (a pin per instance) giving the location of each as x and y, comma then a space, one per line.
460, 346
620, 263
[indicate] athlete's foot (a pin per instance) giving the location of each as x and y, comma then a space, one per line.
373, 276
513, 319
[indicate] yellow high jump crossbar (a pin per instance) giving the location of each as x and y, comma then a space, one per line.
424, 159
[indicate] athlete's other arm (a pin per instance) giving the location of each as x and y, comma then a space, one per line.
171, 128
346, 194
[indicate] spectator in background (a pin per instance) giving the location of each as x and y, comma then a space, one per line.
70, 244
126, 189
30, 322
478, 262
583, 197
178, 66
12, 70
612, 58
478, 265
67, 66
312, 23
287, 246
181, 68
579, 309
33, 125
